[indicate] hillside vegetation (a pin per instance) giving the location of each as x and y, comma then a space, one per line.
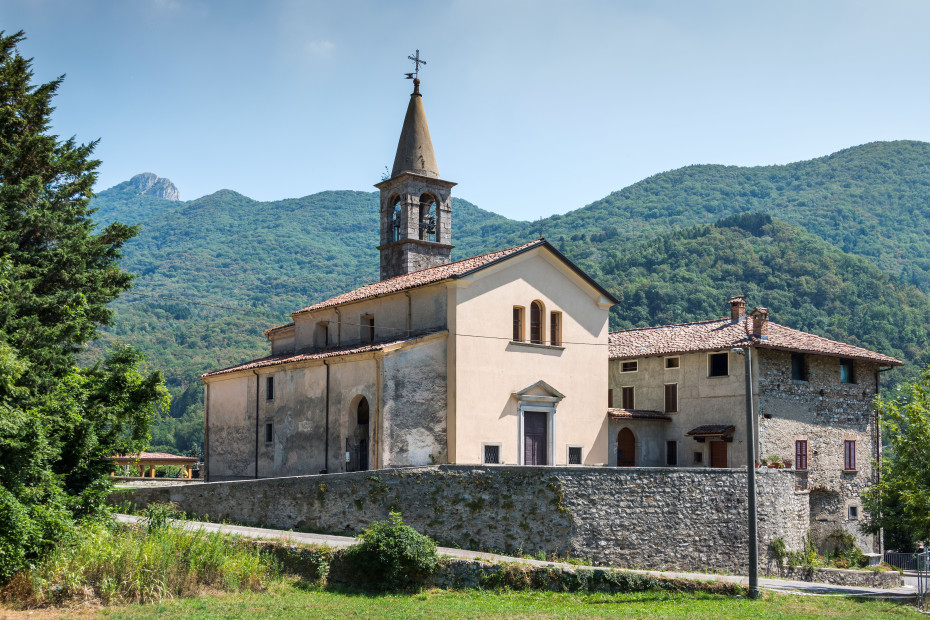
838, 246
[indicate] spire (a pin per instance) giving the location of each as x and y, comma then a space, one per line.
415, 148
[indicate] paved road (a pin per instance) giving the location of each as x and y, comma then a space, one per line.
781, 585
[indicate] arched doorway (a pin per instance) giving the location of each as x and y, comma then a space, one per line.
361, 433
626, 448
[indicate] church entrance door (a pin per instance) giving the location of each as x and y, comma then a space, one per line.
535, 438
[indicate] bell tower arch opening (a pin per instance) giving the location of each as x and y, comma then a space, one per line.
416, 204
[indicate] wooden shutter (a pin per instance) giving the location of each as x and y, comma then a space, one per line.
671, 398
610, 398
626, 395
849, 457
535, 323
517, 324
800, 454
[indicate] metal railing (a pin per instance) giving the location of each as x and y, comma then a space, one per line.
923, 580
904, 561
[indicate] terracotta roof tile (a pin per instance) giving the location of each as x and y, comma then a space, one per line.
423, 277
277, 360
271, 330
720, 334
711, 430
637, 414
153, 456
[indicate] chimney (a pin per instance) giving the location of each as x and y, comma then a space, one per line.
737, 308
760, 322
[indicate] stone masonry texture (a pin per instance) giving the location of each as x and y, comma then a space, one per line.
657, 518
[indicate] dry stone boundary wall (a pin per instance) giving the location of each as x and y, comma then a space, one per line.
656, 518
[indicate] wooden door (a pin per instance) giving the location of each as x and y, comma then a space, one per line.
718, 454
535, 438
626, 448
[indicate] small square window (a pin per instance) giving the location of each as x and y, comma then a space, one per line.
672, 362
626, 397
853, 513
269, 388
698, 457
574, 455
671, 453
269, 432
629, 366
492, 454
718, 364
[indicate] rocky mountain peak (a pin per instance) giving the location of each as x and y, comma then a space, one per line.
151, 184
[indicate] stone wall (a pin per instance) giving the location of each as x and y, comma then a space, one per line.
825, 412
658, 518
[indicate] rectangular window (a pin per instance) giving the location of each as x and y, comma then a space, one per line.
698, 457
555, 329
672, 362
368, 328
492, 454
610, 398
800, 454
321, 335
574, 455
269, 432
846, 372
849, 454
269, 388
518, 323
853, 513
671, 397
629, 366
798, 367
718, 364
671, 453
626, 398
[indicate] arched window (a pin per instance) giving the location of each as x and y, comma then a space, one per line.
427, 218
536, 325
395, 221
362, 411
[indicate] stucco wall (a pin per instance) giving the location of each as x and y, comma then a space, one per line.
689, 519
490, 368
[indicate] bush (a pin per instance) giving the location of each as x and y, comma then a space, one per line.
390, 556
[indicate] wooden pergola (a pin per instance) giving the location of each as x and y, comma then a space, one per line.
148, 461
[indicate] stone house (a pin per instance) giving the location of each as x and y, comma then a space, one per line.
499, 358
677, 399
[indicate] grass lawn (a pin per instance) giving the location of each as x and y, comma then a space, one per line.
288, 601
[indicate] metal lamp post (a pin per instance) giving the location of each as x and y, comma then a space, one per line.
746, 352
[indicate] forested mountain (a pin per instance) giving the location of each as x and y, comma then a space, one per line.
847, 256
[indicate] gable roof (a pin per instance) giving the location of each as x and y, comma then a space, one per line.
450, 271
721, 334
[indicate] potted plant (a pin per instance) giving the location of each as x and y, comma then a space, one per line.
774, 461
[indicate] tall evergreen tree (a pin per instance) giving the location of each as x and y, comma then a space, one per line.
64, 273
57, 274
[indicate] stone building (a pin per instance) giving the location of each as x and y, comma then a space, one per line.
677, 398
499, 358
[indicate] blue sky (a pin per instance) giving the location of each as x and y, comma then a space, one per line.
535, 107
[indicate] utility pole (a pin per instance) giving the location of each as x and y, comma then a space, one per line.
746, 352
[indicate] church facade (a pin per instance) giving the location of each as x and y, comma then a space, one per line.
499, 358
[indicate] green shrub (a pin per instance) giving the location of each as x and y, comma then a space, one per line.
390, 556
159, 514
846, 553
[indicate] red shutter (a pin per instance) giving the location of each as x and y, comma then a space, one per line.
800, 454
850, 454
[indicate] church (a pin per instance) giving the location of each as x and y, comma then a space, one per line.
500, 358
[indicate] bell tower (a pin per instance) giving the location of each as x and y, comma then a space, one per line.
416, 205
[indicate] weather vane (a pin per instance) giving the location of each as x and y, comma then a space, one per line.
417, 62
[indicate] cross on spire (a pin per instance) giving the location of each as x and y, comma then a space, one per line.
416, 62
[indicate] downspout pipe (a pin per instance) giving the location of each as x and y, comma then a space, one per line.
326, 439
257, 387
876, 421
